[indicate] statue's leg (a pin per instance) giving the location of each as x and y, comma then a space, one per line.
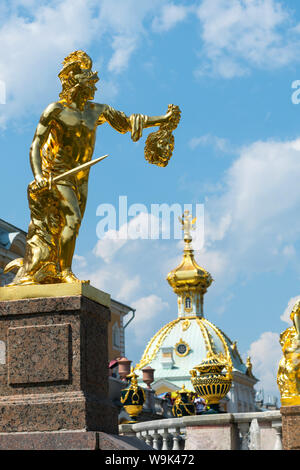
82, 193
69, 206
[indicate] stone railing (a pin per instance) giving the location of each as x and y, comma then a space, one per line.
236, 431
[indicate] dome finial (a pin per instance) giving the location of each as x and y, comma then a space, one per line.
189, 281
187, 225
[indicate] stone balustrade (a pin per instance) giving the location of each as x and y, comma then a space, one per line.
228, 431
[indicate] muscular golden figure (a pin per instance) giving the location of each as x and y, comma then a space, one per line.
64, 139
288, 375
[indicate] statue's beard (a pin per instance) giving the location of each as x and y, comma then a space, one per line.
80, 95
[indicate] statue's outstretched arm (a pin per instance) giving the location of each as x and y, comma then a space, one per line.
157, 120
134, 123
160, 144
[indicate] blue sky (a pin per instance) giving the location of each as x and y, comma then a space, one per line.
229, 65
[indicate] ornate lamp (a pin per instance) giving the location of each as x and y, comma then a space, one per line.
133, 397
124, 367
148, 376
183, 404
212, 383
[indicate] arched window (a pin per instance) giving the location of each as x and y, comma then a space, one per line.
188, 303
116, 336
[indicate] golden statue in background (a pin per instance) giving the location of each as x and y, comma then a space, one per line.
288, 376
60, 157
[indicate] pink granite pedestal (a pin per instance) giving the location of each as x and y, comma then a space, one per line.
211, 432
290, 427
53, 373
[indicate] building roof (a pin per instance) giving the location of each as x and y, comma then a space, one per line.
198, 337
12, 245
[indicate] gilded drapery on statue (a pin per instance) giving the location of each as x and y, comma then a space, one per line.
64, 140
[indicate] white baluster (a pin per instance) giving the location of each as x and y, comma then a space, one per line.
165, 435
156, 441
140, 436
244, 432
278, 440
182, 437
176, 439
148, 439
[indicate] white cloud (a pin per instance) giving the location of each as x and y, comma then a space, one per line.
147, 310
141, 227
289, 251
107, 247
114, 279
123, 47
255, 220
265, 355
286, 314
218, 143
35, 36
80, 261
169, 17
123, 21
240, 34
215, 262
34, 43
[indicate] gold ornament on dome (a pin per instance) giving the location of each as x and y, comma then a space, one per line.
185, 325
182, 348
61, 157
288, 375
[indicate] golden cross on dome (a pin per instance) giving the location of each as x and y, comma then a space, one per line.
188, 224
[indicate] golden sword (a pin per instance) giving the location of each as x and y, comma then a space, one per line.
75, 170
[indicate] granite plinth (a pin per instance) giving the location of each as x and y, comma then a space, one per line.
55, 290
69, 440
54, 374
213, 432
290, 427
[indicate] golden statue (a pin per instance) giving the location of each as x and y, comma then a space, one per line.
60, 157
288, 376
187, 224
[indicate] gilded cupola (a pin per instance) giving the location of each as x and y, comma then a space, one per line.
189, 281
190, 340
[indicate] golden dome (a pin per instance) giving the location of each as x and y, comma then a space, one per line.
189, 274
189, 280
201, 339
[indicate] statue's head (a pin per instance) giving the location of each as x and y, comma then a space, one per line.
77, 77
